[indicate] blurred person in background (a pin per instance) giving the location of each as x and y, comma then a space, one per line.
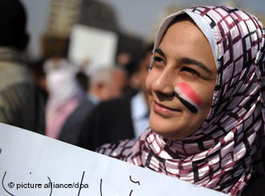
104, 84
121, 118
82, 79
134, 82
39, 77
65, 94
17, 89
107, 83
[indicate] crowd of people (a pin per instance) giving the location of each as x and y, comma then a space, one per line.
53, 96
196, 111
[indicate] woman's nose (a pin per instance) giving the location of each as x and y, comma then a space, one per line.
164, 83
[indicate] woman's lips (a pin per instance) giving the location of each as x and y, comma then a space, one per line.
163, 110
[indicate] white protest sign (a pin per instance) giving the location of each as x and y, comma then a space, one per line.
32, 164
94, 45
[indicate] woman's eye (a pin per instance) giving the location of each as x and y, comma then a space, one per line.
158, 59
158, 62
192, 71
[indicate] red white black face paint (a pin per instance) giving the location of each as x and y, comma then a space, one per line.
188, 97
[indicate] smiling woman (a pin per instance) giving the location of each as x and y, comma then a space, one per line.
207, 101
183, 58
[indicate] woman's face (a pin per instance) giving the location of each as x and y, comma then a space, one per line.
184, 60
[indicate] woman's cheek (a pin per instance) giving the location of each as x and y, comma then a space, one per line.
188, 97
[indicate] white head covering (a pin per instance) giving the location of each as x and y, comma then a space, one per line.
61, 82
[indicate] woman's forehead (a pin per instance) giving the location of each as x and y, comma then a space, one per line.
197, 20
184, 43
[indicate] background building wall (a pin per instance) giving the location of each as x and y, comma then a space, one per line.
137, 18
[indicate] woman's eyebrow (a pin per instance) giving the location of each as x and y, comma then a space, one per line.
195, 62
187, 60
159, 51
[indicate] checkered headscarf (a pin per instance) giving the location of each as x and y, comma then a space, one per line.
226, 151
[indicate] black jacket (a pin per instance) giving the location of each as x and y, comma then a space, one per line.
72, 127
256, 187
110, 121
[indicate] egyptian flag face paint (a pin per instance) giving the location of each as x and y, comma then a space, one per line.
188, 97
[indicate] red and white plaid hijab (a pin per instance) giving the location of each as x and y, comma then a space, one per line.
224, 153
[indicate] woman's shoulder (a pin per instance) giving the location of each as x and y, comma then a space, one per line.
120, 149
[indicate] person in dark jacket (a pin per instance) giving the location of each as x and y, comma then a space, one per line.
18, 105
122, 118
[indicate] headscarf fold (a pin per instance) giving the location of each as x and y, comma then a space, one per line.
226, 151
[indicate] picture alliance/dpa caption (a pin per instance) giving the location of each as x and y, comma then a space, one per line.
32, 164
